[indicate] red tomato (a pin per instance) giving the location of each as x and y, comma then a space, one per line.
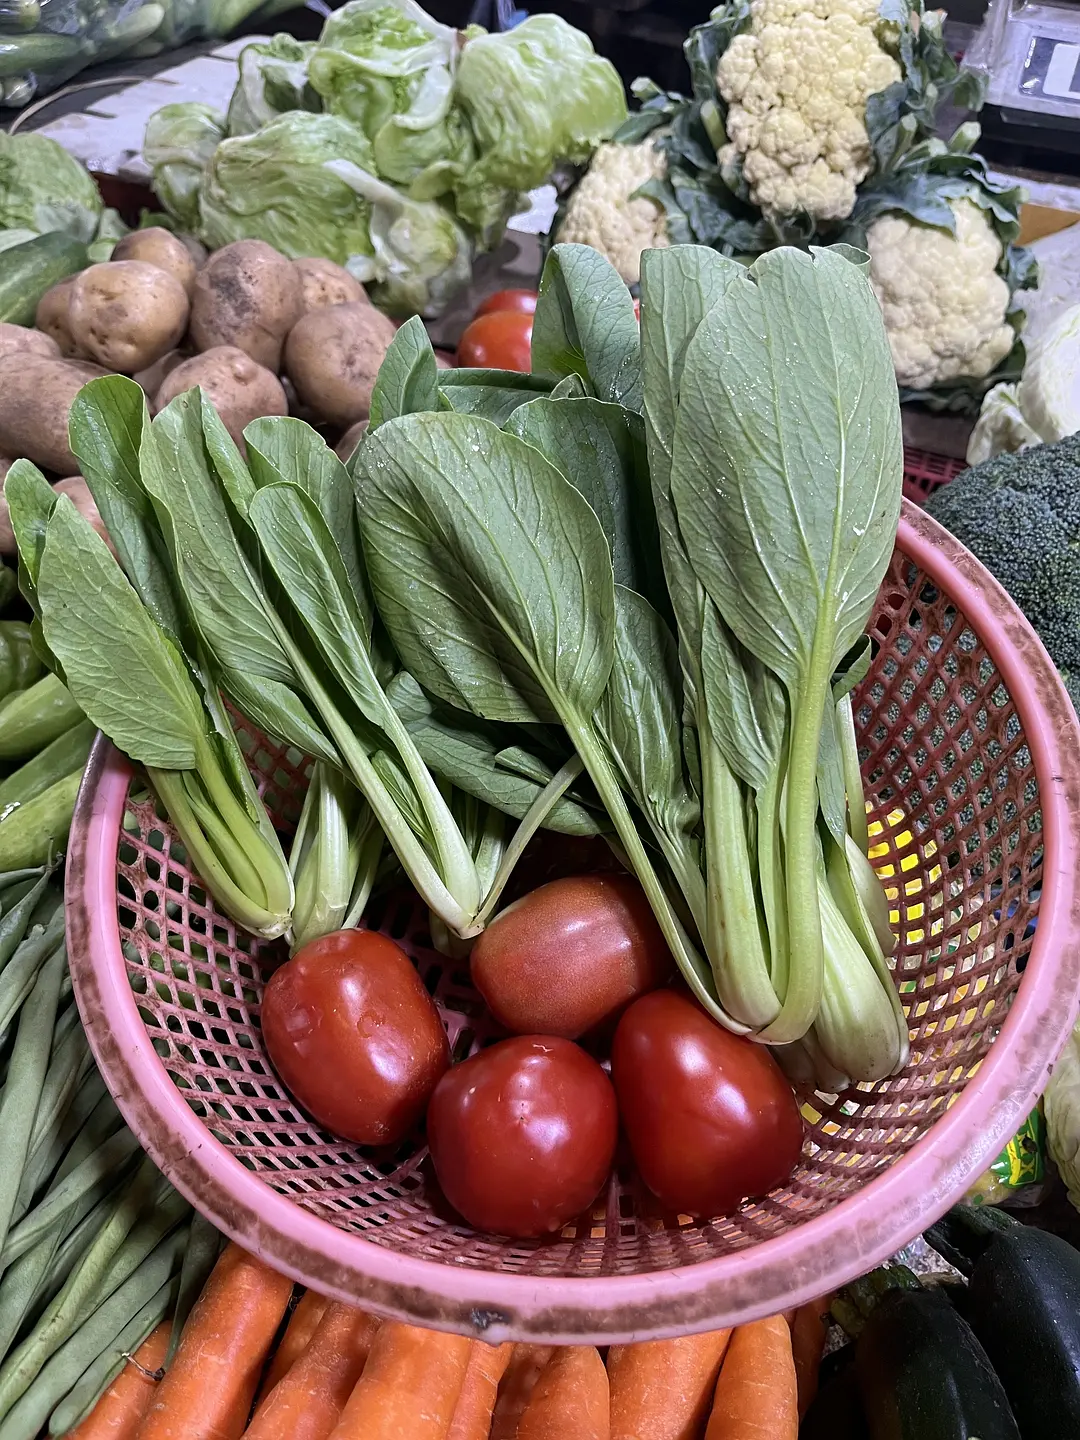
522, 1135
522, 300
709, 1116
570, 955
637, 311
500, 341
355, 1036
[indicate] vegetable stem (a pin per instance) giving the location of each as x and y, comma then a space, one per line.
537, 813
694, 969
806, 950
734, 945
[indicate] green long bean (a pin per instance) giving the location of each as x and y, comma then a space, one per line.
98, 1170
24, 1420
17, 980
95, 1380
83, 1290
26, 1077
200, 1257
15, 920
76, 1120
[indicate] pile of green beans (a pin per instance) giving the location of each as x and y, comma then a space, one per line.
96, 1248
44, 741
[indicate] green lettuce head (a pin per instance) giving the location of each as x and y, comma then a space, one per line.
279, 186
180, 143
420, 256
534, 96
43, 188
273, 80
389, 68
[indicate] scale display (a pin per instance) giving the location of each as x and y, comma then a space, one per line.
1052, 68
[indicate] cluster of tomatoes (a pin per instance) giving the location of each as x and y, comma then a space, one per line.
523, 1134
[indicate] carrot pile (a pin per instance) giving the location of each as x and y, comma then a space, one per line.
337, 1373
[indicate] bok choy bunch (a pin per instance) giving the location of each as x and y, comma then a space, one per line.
122, 660
668, 544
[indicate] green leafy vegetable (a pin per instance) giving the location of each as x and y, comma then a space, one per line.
277, 185
133, 683
43, 187
180, 143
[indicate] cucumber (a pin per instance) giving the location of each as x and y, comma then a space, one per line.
1023, 1303
924, 1376
31, 719
28, 270
33, 833
9, 668
28, 667
68, 752
836, 1411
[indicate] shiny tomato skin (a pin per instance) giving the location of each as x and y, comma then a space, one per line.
498, 341
523, 301
570, 956
355, 1036
522, 1135
709, 1115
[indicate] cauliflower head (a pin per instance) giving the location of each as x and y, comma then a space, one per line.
796, 84
944, 302
602, 214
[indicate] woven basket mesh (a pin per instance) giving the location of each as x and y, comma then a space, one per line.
957, 841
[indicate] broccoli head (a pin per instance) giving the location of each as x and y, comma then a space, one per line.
1020, 515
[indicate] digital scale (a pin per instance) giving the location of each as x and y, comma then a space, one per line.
1030, 54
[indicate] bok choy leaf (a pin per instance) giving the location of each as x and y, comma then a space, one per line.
134, 684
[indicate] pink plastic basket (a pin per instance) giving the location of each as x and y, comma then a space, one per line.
971, 756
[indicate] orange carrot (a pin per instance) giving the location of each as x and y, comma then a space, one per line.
662, 1389
525, 1368
303, 1322
757, 1393
307, 1401
207, 1391
808, 1331
409, 1387
570, 1398
472, 1414
119, 1412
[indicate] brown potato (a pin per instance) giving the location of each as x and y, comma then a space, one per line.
20, 339
5, 465
35, 398
239, 390
160, 247
153, 377
248, 295
323, 283
196, 249
350, 440
53, 316
77, 490
127, 314
333, 356
75, 487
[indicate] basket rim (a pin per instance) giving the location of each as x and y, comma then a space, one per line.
776, 1274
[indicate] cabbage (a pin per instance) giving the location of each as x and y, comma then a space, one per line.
533, 96
389, 68
420, 256
43, 188
279, 186
1044, 405
273, 80
180, 142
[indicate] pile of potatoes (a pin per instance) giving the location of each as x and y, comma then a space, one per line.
262, 335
